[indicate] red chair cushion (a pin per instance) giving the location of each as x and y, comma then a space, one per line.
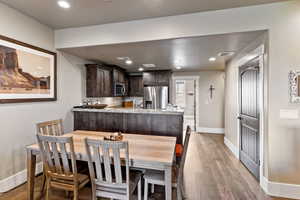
179, 150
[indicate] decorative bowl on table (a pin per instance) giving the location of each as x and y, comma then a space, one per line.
114, 137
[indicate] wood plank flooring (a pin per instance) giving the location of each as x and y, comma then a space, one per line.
211, 173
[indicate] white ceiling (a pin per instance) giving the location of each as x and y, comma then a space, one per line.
189, 53
93, 12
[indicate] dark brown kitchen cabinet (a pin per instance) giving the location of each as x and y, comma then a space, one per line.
149, 78
136, 86
163, 77
99, 81
119, 75
157, 78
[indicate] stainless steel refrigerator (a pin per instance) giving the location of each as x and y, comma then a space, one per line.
156, 97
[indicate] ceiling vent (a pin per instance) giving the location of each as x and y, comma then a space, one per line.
149, 65
123, 58
226, 53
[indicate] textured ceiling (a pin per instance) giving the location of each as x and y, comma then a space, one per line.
93, 12
189, 53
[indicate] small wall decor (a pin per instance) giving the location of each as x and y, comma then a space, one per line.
211, 89
294, 77
27, 73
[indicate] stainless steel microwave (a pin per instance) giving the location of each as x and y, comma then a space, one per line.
120, 89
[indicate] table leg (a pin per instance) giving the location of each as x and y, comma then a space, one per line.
31, 162
168, 182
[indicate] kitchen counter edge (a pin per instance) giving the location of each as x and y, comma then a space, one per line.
134, 111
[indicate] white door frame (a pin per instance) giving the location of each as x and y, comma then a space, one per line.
195, 78
258, 52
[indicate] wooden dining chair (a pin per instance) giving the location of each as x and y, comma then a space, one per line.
55, 152
54, 128
155, 177
107, 177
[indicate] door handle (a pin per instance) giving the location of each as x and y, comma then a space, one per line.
239, 118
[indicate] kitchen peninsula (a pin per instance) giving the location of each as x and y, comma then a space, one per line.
131, 120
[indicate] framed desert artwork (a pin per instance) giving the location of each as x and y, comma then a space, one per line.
27, 73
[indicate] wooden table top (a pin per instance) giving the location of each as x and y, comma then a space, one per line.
143, 149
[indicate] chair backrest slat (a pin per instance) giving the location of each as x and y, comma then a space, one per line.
54, 128
182, 163
106, 153
64, 158
117, 165
98, 163
47, 154
55, 154
56, 157
106, 160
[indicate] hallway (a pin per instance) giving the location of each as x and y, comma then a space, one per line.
213, 173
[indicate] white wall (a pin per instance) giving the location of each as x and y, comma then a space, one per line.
17, 121
283, 22
211, 111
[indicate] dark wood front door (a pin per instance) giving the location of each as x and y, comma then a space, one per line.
249, 116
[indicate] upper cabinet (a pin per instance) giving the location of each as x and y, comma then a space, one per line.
99, 82
112, 81
149, 78
136, 86
119, 75
157, 78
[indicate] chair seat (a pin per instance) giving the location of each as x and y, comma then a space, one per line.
158, 177
81, 178
134, 177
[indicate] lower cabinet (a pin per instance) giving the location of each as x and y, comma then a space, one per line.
148, 124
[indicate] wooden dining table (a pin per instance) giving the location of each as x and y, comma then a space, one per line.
145, 151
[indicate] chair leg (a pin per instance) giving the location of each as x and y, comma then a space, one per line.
75, 194
140, 189
47, 188
43, 184
152, 188
146, 190
183, 193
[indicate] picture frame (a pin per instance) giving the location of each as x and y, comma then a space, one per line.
294, 83
27, 72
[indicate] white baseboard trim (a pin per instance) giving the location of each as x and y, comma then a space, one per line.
232, 147
284, 190
17, 179
211, 130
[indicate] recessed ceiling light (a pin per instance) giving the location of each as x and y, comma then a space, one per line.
64, 4
128, 62
141, 69
178, 67
212, 59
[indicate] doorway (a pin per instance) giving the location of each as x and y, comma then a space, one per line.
249, 116
185, 96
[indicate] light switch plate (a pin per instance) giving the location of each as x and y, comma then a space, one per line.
289, 114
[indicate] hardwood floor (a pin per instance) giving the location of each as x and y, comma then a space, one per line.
211, 173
